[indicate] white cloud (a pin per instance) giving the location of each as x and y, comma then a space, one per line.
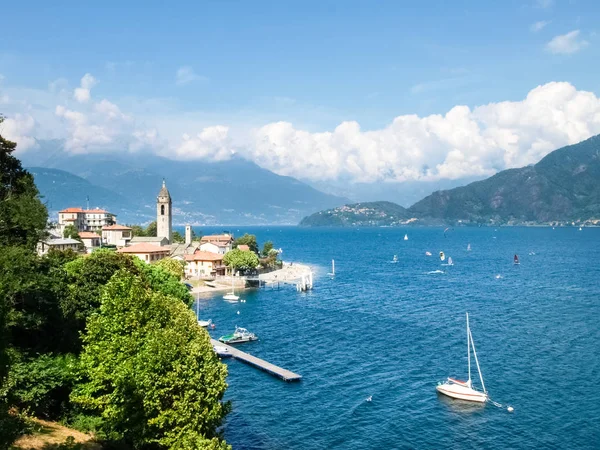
186, 75
20, 129
566, 43
544, 3
463, 142
538, 26
82, 94
212, 143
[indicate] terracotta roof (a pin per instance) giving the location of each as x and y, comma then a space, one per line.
204, 256
72, 210
115, 227
143, 248
88, 235
243, 247
217, 243
216, 237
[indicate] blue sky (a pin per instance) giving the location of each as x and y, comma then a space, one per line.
245, 65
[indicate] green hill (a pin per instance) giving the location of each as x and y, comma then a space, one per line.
359, 214
563, 187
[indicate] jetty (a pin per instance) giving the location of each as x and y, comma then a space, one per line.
261, 364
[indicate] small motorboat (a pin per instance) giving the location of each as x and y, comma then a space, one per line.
442, 256
222, 351
516, 260
210, 284
239, 336
205, 323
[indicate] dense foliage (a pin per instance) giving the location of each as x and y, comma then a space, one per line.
71, 232
241, 260
173, 266
150, 371
51, 306
247, 239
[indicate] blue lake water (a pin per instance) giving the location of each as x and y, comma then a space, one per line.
393, 331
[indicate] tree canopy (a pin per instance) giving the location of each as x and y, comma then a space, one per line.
247, 239
173, 266
150, 371
241, 260
71, 232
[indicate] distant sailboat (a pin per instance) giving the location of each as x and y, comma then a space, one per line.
442, 256
332, 273
395, 259
463, 390
202, 323
468, 247
450, 263
231, 296
579, 228
406, 237
516, 260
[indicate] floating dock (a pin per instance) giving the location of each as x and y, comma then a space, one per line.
261, 364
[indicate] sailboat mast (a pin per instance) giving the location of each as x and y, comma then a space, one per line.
469, 347
333, 266
477, 362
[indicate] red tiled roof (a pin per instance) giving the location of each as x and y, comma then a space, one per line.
88, 235
204, 256
244, 247
216, 238
217, 243
143, 248
72, 210
115, 227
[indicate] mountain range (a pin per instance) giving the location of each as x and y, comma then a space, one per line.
204, 193
563, 187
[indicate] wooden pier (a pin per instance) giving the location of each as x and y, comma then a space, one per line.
261, 364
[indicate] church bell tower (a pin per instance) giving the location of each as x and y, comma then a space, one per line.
164, 214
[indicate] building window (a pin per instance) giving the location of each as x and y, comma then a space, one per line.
162, 210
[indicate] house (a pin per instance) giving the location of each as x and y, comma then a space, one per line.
58, 244
215, 247
161, 241
116, 235
90, 239
148, 253
204, 264
221, 240
244, 248
85, 219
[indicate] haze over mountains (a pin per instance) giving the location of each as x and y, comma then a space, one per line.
210, 193
563, 186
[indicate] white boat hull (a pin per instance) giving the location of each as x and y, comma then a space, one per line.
461, 392
231, 297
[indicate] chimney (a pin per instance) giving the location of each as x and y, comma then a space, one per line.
188, 234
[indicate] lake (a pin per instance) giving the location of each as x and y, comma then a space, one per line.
392, 331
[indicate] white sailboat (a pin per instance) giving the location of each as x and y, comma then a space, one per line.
406, 237
395, 259
202, 323
231, 296
450, 263
463, 390
332, 273
468, 247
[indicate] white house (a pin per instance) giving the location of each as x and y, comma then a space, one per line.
223, 241
116, 235
90, 239
146, 252
215, 247
58, 244
85, 219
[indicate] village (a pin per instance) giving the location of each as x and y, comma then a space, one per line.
203, 258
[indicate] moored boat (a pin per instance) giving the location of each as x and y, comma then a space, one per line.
239, 336
464, 390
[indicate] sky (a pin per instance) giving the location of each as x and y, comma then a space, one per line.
358, 91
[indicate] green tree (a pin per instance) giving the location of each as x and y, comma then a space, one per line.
150, 229
71, 232
267, 248
162, 280
23, 217
247, 239
240, 260
86, 278
150, 372
137, 230
177, 237
173, 266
